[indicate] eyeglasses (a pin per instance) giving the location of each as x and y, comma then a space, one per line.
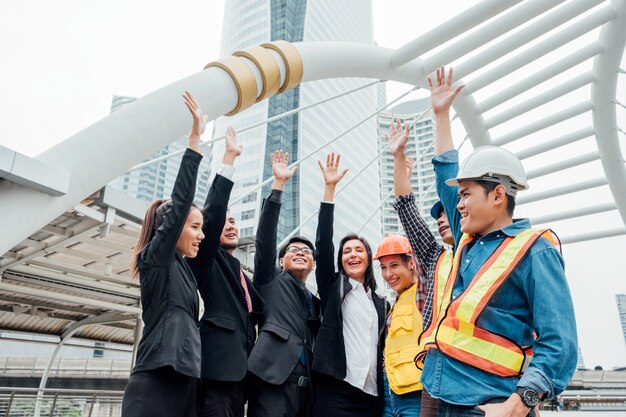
304, 249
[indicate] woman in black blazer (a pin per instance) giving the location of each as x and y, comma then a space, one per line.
347, 358
166, 373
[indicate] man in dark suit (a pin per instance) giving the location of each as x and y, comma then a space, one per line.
231, 303
281, 356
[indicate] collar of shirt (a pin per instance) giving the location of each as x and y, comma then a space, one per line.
512, 230
356, 285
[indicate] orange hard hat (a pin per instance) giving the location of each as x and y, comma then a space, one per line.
393, 245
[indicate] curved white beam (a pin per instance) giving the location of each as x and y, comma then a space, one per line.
553, 119
556, 142
603, 92
546, 73
540, 99
449, 29
541, 26
503, 24
568, 34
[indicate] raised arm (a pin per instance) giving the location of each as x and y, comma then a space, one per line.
324, 249
265, 254
446, 159
422, 241
215, 207
162, 248
441, 97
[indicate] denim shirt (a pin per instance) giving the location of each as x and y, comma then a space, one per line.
534, 300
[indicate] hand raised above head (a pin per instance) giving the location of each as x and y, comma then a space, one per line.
397, 137
280, 166
230, 139
199, 118
330, 171
441, 94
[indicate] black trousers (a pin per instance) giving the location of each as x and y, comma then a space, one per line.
339, 399
160, 392
221, 399
290, 399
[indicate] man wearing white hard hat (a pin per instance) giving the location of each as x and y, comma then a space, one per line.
505, 334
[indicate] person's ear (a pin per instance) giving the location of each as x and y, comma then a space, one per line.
499, 194
280, 262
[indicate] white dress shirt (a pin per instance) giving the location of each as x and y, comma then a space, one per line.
360, 335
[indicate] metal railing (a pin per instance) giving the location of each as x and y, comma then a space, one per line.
21, 402
64, 367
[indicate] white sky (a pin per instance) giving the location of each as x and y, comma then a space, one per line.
63, 61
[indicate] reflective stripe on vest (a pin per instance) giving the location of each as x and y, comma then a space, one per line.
401, 344
457, 334
427, 338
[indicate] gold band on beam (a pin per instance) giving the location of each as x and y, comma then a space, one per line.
268, 67
293, 63
243, 78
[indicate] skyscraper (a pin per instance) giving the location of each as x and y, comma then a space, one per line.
621, 310
249, 23
420, 149
157, 180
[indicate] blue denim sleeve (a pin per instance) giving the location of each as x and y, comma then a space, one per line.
556, 346
447, 166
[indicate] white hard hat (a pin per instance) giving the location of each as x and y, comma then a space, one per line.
495, 164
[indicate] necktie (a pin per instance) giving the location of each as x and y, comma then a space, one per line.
244, 285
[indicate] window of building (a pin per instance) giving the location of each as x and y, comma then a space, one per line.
247, 214
246, 231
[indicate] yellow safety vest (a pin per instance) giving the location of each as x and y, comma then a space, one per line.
457, 334
401, 344
427, 338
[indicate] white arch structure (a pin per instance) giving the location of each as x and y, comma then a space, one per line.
494, 31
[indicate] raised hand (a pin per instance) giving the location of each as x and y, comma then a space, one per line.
232, 149
442, 95
331, 172
199, 118
397, 137
281, 170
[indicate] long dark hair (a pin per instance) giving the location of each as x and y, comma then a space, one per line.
370, 281
151, 222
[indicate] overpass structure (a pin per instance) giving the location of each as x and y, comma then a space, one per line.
541, 80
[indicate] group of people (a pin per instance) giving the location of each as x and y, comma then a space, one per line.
481, 326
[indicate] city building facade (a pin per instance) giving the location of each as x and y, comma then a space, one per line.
250, 23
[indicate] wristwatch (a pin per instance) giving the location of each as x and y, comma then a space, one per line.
530, 397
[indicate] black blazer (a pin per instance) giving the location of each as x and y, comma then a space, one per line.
283, 330
168, 287
329, 356
226, 329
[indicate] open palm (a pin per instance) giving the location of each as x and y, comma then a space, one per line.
397, 137
199, 118
441, 94
280, 166
331, 172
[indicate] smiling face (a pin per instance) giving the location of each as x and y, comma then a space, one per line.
295, 261
397, 273
354, 259
444, 229
189, 240
477, 208
230, 234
